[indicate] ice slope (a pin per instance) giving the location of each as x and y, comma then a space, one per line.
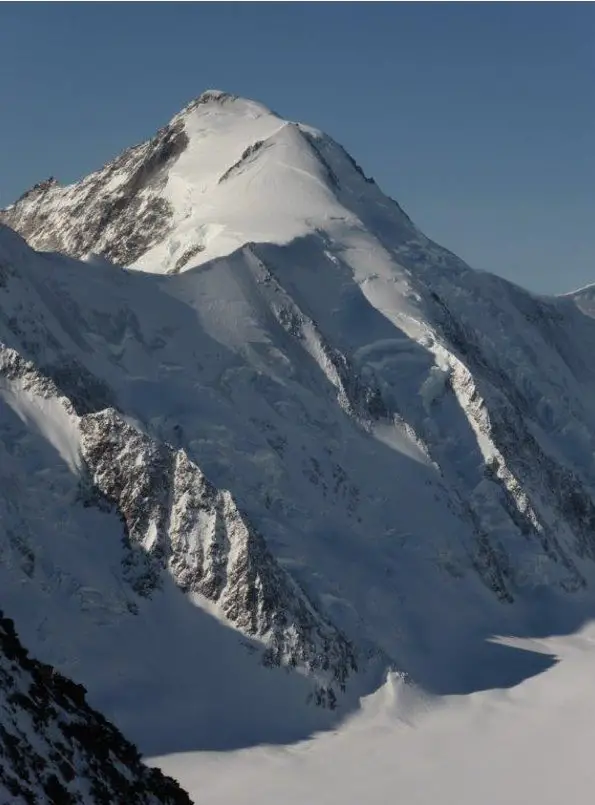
529, 744
317, 447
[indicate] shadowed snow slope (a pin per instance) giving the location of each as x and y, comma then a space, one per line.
303, 446
531, 744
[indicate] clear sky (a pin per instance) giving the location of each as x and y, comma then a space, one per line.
479, 118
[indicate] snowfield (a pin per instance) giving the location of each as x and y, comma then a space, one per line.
528, 744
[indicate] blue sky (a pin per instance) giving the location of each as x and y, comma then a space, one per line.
479, 118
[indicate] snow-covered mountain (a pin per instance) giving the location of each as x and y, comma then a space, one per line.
294, 443
55, 749
224, 172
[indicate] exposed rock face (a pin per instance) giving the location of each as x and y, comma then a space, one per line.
123, 211
176, 519
54, 749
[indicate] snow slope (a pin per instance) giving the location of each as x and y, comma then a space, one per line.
530, 744
305, 445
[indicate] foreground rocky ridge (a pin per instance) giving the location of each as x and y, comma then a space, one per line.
55, 749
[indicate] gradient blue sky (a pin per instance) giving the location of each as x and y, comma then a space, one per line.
479, 118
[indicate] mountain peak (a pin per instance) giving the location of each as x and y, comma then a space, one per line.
216, 101
210, 97
215, 96
226, 171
